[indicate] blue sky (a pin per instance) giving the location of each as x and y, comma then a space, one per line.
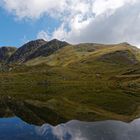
75, 21
15, 32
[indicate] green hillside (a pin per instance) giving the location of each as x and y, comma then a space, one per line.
86, 82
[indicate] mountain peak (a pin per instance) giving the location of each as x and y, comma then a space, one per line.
35, 42
27, 49
125, 43
35, 49
48, 48
57, 41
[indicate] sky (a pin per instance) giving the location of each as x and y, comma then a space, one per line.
74, 21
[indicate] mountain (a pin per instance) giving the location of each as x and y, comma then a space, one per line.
6, 52
35, 49
117, 53
25, 51
87, 81
48, 48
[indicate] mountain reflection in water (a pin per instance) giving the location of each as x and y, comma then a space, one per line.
15, 129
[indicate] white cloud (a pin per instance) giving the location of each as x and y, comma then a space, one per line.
61, 131
43, 35
101, 6
33, 9
104, 21
113, 24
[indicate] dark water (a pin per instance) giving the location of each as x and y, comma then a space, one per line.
15, 129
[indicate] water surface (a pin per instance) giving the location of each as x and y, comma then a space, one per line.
16, 129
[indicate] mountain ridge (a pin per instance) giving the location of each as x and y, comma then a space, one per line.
87, 82
25, 50
41, 49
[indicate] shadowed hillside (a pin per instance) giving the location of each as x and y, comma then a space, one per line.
24, 51
6, 52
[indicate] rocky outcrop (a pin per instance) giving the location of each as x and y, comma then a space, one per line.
6, 52
26, 50
35, 49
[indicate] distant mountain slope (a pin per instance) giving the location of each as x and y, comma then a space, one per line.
35, 49
66, 55
6, 52
122, 53
48, 49
26, 50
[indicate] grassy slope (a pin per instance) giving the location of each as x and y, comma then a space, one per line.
78, 85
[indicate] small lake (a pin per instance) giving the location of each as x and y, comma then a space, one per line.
16, 129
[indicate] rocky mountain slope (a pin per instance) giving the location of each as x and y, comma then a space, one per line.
6, 52
86, 81
35, 49
25, 51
